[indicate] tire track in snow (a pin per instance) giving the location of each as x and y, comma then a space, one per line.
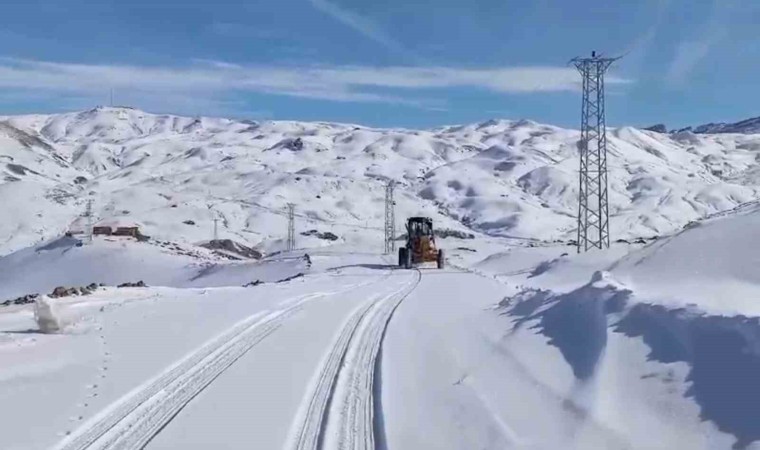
134, 420
339, 413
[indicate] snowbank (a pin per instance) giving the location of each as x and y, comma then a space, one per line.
711, 264
112, 261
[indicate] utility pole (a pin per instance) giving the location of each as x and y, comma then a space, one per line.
216, 229
390, 219
291, 227
88, 215
593, 203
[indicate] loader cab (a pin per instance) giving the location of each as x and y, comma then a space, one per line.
417, 227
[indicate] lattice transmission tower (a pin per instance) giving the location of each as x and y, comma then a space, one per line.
291, 227
88, 215
390, 219
593, 204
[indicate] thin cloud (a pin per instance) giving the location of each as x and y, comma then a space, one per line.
691, 52
216, 81
510, 80
688, 55
363, 26
636, 52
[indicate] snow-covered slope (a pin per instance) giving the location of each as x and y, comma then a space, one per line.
712, 263
114, 261
689, 301
174, 175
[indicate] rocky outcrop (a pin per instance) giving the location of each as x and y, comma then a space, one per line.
62, 291
140, 283
229, 246
327, 236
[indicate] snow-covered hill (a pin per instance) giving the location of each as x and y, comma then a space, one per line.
175, 175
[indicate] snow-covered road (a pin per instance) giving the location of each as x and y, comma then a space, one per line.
322, 361
310, 381
356, 354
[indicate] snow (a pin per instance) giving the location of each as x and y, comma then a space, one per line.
519, 343
46, 316
116, 260
500, 178
683, 305
708, 264
452, 369
455, 369
101, 358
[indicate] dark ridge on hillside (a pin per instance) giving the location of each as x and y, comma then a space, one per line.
748, 126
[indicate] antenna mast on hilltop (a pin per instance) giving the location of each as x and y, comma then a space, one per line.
390, 219
291, 227
593, 204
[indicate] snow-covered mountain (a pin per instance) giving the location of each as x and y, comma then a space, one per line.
173, 175
747, 126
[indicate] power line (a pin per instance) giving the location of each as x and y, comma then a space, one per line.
593, 204
284, 213
291, 227
390, 219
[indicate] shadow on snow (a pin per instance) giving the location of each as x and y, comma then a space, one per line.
723, 353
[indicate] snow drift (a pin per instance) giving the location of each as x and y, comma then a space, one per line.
690, 298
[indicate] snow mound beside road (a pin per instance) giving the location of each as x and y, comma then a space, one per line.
712, 264
112, 261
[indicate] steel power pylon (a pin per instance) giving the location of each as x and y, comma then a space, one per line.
291, 227
390, 219
593, 205
88, 215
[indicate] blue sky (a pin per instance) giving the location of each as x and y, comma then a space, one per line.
385, 63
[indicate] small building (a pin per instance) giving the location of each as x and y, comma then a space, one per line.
117, 227
127, 231
102, 230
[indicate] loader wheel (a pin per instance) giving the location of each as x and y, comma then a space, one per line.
402, 257
408, 260
440, 259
